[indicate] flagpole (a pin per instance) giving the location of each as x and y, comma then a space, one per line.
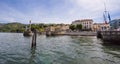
105, 14
109, 17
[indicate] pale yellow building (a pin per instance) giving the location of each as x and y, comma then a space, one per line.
59, 28
62, 27
101, 27
86, 23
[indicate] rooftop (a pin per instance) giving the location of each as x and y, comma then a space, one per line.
82, 20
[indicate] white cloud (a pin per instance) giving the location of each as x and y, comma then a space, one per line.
95, 8
63, 13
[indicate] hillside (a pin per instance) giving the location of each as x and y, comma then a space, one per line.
12, 27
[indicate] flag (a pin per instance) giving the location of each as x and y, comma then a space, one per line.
109, 17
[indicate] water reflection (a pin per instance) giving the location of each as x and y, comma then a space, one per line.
94, 49
32, 57
112, 49
16, 49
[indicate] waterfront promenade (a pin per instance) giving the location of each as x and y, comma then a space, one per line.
82, 33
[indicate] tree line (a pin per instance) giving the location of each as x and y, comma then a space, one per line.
18, 27
76, 27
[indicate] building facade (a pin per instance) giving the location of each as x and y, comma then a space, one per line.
115, 24
58, 28
101, 27
87, 24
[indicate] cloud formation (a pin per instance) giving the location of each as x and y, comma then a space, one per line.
56, 11
95, 8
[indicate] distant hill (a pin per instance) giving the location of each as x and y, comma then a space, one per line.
12, 27
1, 25
19, 27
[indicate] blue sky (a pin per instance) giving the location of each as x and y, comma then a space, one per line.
56, 11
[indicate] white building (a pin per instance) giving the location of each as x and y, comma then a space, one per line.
86, 23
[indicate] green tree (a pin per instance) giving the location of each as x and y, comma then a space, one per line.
72, 27
79, 26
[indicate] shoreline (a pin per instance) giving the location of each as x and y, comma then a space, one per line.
84, 33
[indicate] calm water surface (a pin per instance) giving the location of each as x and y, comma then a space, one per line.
16, 49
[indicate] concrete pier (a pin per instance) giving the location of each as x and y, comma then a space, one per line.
111, 36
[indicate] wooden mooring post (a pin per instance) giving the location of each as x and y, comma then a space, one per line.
34, 38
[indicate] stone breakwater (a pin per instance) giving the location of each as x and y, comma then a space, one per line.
82, 33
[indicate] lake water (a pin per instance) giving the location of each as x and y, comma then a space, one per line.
16, 49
